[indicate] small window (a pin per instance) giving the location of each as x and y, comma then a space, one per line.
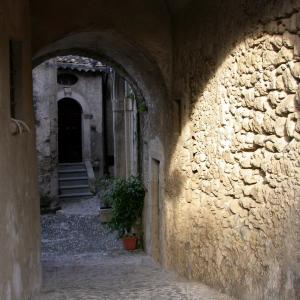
66, 79
15, 64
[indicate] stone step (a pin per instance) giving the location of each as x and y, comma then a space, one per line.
74, 190
72, 173
71, 164
75, 170
72, 186
74, 180
75, 196
70, 169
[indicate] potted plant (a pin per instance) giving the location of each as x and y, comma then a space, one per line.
103, 186
127, 198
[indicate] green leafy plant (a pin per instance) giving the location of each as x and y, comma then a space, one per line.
141, 104
127, 198
142, 107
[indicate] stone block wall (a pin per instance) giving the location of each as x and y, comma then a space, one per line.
45, 98
235, 221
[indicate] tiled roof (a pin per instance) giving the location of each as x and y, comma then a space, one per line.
79, 63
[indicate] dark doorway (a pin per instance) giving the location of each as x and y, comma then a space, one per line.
69, 131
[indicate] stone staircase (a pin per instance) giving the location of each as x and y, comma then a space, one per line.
73, 181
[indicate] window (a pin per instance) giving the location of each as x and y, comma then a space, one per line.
66, 79
15, 64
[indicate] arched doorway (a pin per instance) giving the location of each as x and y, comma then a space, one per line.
69, 131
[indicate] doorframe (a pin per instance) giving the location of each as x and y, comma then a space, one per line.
85, 120
156, 153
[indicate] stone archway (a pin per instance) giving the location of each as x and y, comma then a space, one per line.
148, 81
131, 62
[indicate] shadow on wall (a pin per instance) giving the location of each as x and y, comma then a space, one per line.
237, 77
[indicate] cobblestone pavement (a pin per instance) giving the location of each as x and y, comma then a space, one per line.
83, 207
82, 260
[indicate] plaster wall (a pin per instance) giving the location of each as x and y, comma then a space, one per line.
19, 203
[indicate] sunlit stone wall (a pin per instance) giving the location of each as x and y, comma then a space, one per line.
235, 223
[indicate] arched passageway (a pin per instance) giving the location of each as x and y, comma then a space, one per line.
221, 82
74, 236
202, 114
69, 131
151, 87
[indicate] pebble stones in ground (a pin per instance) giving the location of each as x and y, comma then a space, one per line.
75, 234
77, 229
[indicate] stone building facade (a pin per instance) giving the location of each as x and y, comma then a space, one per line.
107, 125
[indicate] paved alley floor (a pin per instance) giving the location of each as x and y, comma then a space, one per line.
83, 260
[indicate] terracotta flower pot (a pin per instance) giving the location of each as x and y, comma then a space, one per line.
130, 242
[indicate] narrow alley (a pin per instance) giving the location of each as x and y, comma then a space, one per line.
171, 127
82, 259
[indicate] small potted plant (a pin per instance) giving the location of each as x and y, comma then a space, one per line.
127, 199
103, 186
